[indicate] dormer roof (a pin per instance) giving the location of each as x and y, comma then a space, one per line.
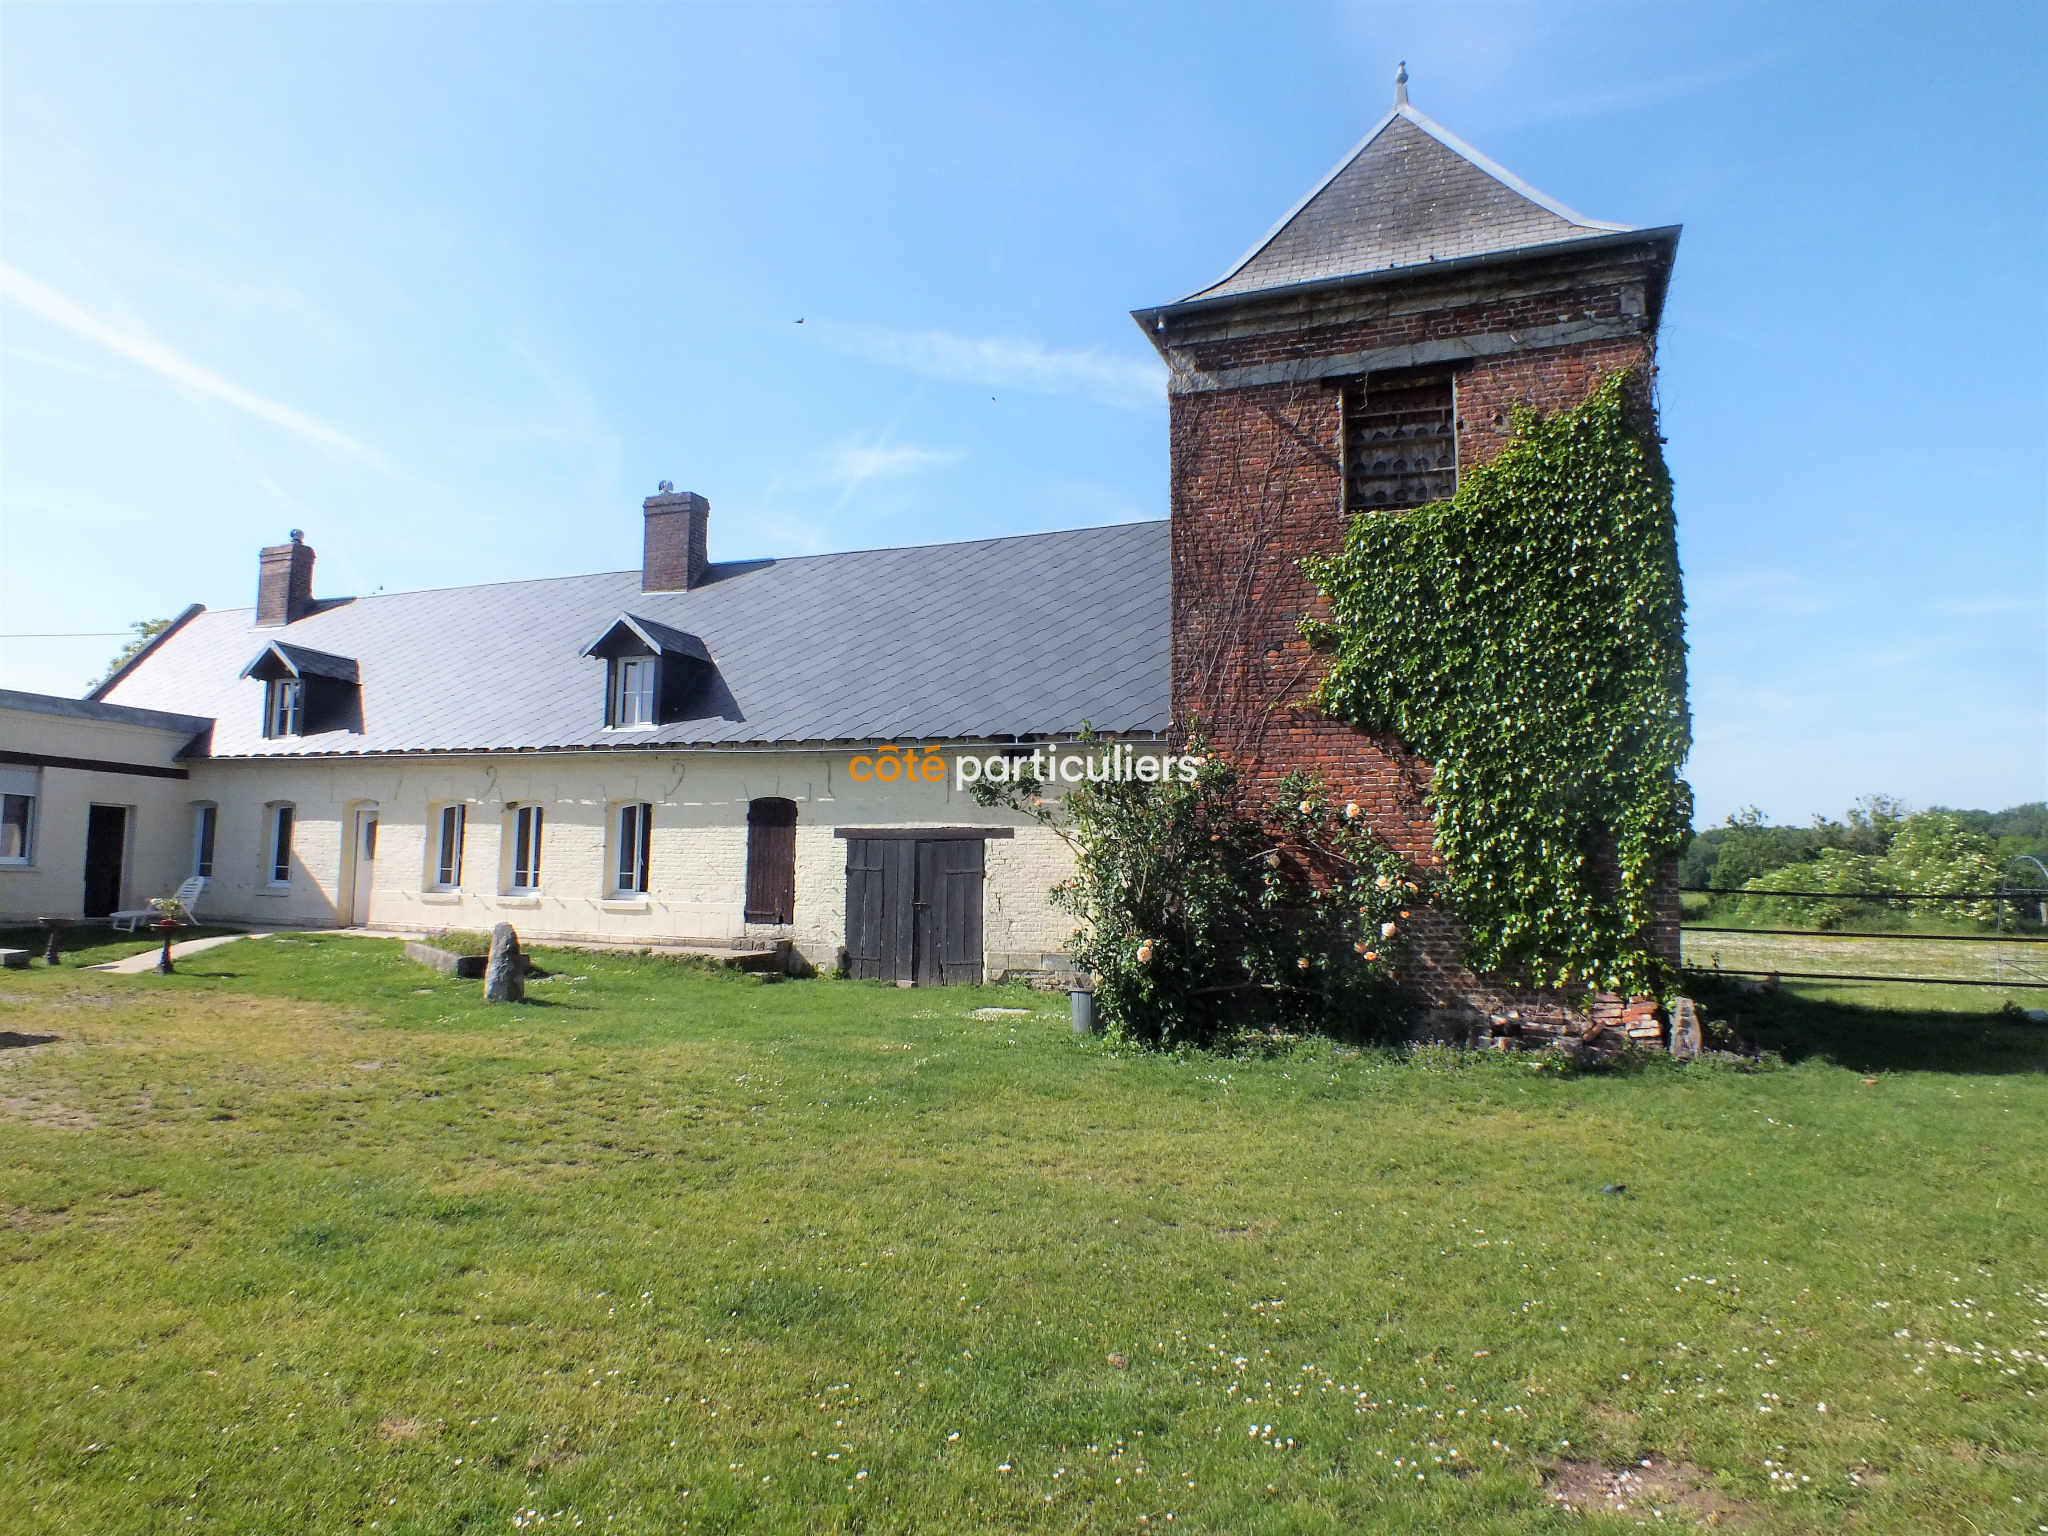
1409, 194
278, 659
660, 639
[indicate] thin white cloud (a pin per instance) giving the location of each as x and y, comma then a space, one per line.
1783, 593
46, 304
853, 463
1982, 607
1005, 362
1636, 95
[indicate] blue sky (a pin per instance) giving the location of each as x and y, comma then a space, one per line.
451, 288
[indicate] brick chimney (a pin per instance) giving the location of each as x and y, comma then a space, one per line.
675, 556
284, 583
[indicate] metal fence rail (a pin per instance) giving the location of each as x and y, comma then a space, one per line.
2006, 895
1848, 933
1914, 981
2029, 894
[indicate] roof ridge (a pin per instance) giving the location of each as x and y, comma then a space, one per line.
830, 554
1506, 177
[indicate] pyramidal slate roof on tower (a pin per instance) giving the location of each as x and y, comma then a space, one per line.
1410, 193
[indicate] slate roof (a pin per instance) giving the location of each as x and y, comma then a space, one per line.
1410, 193
1025, 636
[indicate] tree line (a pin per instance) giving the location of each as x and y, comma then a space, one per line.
1880, 845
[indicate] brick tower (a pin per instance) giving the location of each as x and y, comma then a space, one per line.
1365, 352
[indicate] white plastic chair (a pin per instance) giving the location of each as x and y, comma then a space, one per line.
188, 897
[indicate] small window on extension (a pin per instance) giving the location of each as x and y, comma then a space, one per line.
1400, 441
17, 819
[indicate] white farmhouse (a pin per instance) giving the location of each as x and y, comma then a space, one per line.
692, 753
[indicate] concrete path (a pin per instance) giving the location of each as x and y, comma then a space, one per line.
135, 965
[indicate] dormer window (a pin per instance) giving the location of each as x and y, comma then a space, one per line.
306, 692
283, 706
653, 674
635, 693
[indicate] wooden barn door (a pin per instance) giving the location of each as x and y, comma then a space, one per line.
949, 912
881, 883
913, 909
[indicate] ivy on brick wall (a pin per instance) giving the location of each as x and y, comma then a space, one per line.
1527, 638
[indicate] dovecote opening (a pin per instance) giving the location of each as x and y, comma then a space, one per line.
1400, 441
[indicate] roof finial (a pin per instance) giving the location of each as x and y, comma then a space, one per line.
1401, 85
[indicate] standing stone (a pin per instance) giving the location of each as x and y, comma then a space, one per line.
505, 974
1685, 1029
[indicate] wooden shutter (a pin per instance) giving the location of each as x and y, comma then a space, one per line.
771, 861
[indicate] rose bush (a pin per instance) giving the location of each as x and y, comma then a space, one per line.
1198, 919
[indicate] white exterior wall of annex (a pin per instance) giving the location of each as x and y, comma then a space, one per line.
697, 868
160, 826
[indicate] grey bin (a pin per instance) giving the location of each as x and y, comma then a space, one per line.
1084, 1010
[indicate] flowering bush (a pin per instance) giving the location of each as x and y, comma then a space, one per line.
1197, 918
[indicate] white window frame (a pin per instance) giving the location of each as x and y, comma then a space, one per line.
205, 838
282, 827
636, 692
529, 835
453, 816
632, 849
27, 857
284, 705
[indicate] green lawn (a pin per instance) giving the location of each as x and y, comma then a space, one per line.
305, 1238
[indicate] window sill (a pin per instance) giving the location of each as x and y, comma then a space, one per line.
441, 898
273, 890
15, 867
520, 899
625, 904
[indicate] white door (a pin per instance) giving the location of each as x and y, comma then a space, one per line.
366, 866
